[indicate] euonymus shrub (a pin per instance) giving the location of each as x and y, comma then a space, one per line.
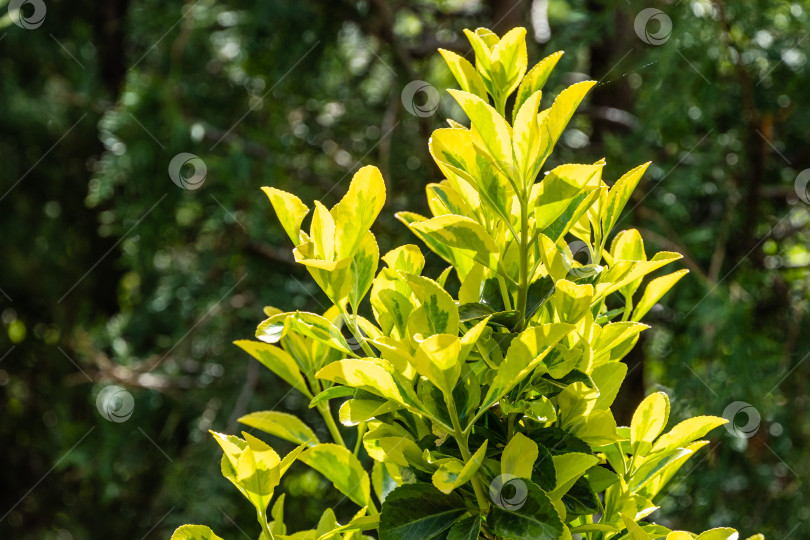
486, 415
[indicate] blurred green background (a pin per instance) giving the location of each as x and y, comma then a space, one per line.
112, 274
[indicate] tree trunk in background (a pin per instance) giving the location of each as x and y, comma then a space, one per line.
610, 59
507, 14
632, 390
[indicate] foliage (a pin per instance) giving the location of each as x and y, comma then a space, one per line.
508, 385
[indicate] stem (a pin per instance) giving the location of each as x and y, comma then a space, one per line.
323, 408
262, 518
523, 291
352, 324
510, 425
361, 429
461, 438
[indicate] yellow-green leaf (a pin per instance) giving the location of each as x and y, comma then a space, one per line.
276, 360
463, 236
367, 374
519, 456
720, 533
289, 209
453, 473
491, 133
282, 425
407, 258
358, 209
654, 291
464, 72
194, 532
649, 421
462, 263
509, 60
437, 359
620, 193
342, 468
524, 355
535, 79
526, 140
569, 468
437, 312
686, 432
571, 301
363, 268
563, 109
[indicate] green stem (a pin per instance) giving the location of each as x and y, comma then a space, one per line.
523, 290
461, 438
510, 426
323, 408
361, 429
352, 324
262, 518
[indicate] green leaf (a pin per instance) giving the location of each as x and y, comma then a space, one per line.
720, 533
543, 472
634, 531
563, 109
519, 456
194, 532
571, 301
535, 79
454, 473
462, 263
491, 134
463, 236
526, 144
614, 335
407, 258
342, 468
483, 63
332, 393
650, 482
311, 325
648, 422
686, 432
437, 312
276, 360
282, 425
581, 499
509, 61
357, 210
358, 523
654, 291
290, 211
526, 353
454, 153
539, 291
569, 468
620, 193
418, 511
354, 411
608, 379
277, 513
561, 187
436, 359
464, 72
252, 466
657, 464
465, 529
370, 375
533, 518
363, 268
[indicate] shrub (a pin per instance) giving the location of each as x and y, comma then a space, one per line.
486, 415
